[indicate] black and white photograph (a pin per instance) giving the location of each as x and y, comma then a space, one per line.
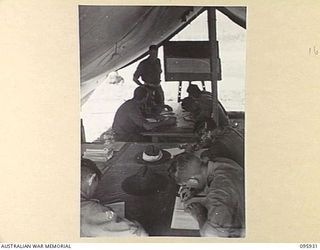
162, 108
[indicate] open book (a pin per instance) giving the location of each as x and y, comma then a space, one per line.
182, 219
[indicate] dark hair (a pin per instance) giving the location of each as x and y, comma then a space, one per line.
140, 93
193, 90
88, 167
189, 105
180, 164
153, 47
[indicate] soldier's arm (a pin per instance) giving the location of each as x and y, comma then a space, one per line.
137, 75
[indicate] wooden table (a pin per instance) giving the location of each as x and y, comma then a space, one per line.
182, 131
171, 134
154, 212
103, 166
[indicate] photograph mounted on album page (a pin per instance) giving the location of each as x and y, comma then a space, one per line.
160, 122
155, 79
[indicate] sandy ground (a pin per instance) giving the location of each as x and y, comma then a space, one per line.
98, 112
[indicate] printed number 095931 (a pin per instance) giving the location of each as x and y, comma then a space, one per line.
308, 246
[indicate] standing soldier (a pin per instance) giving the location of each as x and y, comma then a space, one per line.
150, 71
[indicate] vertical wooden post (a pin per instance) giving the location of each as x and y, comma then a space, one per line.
212, 28
83, 134
179, 91
203, 85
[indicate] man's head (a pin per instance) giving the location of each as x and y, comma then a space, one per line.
90, 176
153, 52
189, 105
187, 170
140, 94
194, 91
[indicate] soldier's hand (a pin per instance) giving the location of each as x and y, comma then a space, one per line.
185, 193
197, 211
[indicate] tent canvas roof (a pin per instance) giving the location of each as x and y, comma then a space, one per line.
114, 36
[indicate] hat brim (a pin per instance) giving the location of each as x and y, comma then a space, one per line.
135, 185
165, 157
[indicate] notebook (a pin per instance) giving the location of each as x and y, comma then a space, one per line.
182, 219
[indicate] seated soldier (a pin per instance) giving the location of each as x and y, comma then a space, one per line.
129, 120
202, 106
152, 107
96, 219
227, 143
224, 142
221, 212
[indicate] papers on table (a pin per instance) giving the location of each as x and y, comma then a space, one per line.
152, 120
188, 118
98, 155
166, 113
182, 219
175, 151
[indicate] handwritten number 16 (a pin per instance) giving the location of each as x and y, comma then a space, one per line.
314, 51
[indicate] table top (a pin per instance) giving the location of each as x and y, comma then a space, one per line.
103, 166
172, 131
182, 129
155, 211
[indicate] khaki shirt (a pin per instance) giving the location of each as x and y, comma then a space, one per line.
224, 200
149, 71
129, 118
95, 222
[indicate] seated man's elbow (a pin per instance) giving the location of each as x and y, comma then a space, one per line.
136, 80
208, 230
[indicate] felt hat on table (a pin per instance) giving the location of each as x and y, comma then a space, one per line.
152, 150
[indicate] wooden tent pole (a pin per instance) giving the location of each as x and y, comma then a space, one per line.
203, 85
213, 61
179, 91
83, 134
